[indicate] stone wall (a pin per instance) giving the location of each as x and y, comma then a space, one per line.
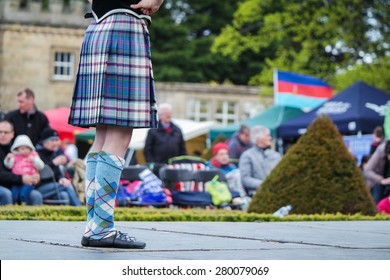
35, 12
26, 60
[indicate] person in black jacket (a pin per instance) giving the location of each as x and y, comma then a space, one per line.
51, 154
28, 119
166, 141
7, 178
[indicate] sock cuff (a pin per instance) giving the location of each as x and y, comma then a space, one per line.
111, 159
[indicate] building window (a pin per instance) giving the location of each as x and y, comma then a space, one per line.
63, 66
199, 110
227, 112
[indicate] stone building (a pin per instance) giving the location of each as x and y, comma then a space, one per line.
40, 42
39, 48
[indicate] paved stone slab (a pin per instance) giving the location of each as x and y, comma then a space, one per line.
42, 240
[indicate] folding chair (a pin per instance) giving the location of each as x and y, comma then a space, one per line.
172, 176
131, 172
48, 174
184, 195
186, 159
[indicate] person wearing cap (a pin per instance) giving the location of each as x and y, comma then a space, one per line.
51, 153
257, 162
9, 179
23, 159
221, 159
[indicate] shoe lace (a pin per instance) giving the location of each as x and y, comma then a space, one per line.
124, 236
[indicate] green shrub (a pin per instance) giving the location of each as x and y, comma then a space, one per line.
69, 213
317, 175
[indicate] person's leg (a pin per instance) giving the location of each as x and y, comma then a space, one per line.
36, 198
16, 194
377, 193
48, 190
64, 195
73, 198
25, 194
5, 196
108, 169
90, 176
54, 191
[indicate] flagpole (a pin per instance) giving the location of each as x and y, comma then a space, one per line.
275, 84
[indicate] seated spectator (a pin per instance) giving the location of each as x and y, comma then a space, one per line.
221, 159
377, 139
257, 162
384, 205
23, 159
51, 154
239, 142
7, 178
377, 171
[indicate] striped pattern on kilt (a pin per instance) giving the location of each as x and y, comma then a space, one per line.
114, 83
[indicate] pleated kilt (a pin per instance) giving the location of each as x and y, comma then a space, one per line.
114, 83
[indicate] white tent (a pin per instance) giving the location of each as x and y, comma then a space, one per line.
191, 129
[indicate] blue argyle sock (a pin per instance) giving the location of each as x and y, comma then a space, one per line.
90, 190
108, 171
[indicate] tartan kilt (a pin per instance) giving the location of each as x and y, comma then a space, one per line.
114, 83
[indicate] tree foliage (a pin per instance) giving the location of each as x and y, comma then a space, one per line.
314, 37
182, 34
317, 175
376, 74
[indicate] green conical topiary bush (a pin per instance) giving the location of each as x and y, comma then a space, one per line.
317, 175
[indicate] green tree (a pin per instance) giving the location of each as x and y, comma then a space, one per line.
314, 37
376, 74
182, 34
317, 175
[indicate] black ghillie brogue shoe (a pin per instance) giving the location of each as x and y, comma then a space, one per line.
113, 239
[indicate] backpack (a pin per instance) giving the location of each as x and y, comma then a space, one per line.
219, 191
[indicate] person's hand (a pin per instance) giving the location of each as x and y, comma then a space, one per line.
65, 182
148, 7
30, 179
385, 181
60, 160
9, 156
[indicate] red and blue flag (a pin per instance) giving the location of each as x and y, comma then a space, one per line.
301, 91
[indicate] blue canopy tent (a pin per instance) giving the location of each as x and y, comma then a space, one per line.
357, 109
271, 118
